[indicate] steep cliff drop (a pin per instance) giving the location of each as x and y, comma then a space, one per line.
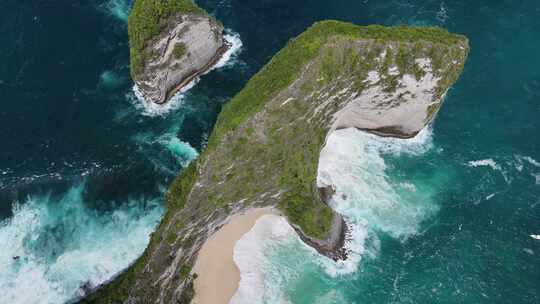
266, 145
171, 43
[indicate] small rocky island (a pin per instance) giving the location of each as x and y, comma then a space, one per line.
265, 147
171, 43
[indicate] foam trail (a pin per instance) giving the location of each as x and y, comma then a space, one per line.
485, 163
118, 9
490, 163
152, 109
56, 246
176, 153
183, 152
530, 160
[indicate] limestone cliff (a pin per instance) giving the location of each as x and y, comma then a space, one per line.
171, 42
265, 146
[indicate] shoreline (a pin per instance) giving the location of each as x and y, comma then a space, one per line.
218, 276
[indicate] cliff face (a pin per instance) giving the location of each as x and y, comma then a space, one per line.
264, 150
184, 42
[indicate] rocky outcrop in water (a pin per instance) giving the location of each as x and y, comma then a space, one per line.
167, 55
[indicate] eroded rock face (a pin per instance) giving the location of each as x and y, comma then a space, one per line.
401, 112
188, 47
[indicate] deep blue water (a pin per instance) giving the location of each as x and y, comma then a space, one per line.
83, 165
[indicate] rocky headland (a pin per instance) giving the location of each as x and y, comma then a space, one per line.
264, 150
171, 43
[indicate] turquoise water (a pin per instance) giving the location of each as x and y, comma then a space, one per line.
444, 219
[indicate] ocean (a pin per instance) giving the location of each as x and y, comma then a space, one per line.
445, 217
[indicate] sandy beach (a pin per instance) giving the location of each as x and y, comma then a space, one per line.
218, 275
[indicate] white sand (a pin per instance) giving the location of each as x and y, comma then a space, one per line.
218, 275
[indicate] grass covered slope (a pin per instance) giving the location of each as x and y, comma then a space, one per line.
287, 63
295, 147
146, 21
264, 149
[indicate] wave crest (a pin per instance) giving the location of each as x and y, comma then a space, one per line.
57, 245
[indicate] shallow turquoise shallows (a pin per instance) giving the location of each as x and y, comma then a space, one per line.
444, 218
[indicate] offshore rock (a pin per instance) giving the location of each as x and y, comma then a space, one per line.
187, 48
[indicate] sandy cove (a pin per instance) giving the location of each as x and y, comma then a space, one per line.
218, 275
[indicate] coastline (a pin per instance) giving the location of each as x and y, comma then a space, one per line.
218, 276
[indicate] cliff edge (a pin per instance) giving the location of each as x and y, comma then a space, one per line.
264, 149
171, 43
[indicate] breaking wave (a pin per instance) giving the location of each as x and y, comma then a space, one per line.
164, 149
152, 109
57, 245
230, 57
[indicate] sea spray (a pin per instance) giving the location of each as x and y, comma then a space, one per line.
57, 245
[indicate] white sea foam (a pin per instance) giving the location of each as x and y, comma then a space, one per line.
230, 56
490, 163
55, 246
528, 251
485, 163
154, 144
183, 152
152, 109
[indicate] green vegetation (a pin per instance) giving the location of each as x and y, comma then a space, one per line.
179, 50
184, 271
146, 21
188, 294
